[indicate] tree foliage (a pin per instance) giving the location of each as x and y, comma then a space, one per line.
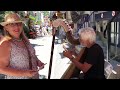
2, 14
46, 13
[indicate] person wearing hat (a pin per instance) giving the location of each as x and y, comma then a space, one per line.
17, 56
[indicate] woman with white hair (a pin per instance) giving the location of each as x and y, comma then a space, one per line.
92, 61
17, 56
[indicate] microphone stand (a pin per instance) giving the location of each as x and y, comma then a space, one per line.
52, 49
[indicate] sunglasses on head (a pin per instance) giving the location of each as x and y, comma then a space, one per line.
14, 24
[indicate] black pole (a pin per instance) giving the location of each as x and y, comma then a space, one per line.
113, 18
51, 57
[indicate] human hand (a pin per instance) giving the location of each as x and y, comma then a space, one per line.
56, 23
30, 73
53, 31
67, 54
71, 51
41, 65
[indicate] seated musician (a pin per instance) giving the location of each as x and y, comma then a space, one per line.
92, 61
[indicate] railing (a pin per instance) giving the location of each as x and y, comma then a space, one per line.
88, 19
107, 33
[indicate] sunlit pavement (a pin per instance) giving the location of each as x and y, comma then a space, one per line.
42, 47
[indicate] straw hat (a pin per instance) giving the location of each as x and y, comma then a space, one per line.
11, 18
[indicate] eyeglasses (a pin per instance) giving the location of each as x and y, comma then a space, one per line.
14, 24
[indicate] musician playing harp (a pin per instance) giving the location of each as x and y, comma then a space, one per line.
91, 63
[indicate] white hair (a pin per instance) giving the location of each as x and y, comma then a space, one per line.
87, 33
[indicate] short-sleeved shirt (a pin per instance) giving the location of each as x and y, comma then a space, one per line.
94, 56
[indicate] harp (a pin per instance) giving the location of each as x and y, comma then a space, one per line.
71, 69
67, 28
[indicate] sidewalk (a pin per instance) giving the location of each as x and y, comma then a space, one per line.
60, 63
42, 47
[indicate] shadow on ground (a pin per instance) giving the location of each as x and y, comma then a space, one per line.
36, 45
61, 54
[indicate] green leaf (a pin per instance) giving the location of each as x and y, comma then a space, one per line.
32, 18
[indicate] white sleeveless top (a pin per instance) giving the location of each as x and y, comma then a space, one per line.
19, 59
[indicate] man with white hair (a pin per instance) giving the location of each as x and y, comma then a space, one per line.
92, 60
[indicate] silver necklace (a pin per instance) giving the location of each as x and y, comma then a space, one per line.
17, 43
18, 40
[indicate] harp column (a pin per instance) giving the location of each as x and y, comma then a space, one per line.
68, 17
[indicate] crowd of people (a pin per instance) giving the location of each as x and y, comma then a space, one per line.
45, 30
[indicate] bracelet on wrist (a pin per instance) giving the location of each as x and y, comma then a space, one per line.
73, 57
